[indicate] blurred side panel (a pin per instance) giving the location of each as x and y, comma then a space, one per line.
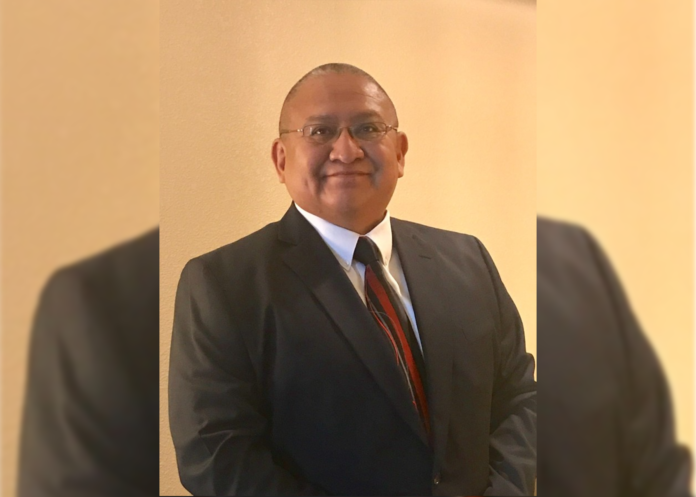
615, 155
89, 423
79, 157
609, 422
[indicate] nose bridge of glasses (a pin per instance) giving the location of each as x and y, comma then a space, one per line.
345, 149
349, 129
350, 145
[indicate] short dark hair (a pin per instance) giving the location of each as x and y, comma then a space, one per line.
330, 68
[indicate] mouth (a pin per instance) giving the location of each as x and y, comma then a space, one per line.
347, 174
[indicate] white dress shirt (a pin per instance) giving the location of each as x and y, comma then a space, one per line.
342, 243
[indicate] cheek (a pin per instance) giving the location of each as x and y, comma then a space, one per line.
304, 170
386, 159
388, 168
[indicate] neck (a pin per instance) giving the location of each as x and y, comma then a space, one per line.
357, 224
361, 228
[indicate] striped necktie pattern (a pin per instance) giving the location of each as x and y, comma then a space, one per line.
389, 313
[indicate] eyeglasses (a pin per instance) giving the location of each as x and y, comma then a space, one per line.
324, 133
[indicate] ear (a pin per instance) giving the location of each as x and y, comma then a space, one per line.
401, 149
278, 157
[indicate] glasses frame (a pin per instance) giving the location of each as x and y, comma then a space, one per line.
339, 130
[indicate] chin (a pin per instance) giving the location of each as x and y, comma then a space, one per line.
350, 205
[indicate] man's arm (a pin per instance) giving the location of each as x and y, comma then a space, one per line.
654, 463
82, 433
219, 421
513, 412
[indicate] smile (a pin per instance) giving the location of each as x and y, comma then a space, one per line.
347, 174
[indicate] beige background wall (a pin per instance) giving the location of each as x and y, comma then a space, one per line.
462, 76
615, 153
79, 155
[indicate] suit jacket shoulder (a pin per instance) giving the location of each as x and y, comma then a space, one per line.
451, 247
430, 232
463, 251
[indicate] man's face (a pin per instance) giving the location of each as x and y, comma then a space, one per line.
345, 181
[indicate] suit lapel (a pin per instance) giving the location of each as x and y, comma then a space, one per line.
313, 262
428, 285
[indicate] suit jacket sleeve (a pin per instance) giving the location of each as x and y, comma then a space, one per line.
654, 463
513, 411
83, 433
218, 417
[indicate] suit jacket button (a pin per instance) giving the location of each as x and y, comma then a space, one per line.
436, 480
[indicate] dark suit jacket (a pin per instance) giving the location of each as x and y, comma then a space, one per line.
607, 425
91, 413
280, 384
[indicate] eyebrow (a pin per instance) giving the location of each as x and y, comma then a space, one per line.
331, 117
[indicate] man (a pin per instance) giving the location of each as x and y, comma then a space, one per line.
91, 412
608, 428
342, 351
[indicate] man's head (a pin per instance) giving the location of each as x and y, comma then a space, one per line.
350, 178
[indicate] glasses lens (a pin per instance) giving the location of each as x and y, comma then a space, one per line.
319, 133
324, 133
368, 131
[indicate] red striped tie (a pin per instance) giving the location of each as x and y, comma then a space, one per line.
389, 313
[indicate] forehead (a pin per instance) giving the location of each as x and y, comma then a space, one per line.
338, 96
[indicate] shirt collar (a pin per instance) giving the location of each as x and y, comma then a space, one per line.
342, 242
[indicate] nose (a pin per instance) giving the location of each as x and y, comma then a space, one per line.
345, 149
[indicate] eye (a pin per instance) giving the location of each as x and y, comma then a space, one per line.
321, 130
367, 128
368, 131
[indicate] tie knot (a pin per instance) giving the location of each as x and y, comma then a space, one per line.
366, 251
